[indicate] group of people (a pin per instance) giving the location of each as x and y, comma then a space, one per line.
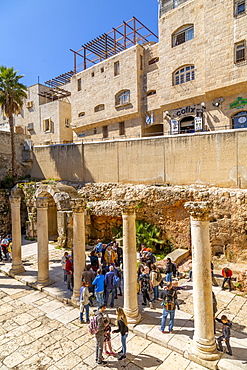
6, 248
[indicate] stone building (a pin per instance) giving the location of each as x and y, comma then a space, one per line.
130, 84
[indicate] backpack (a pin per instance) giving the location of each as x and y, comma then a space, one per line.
174, 269
158, 276
116, 281
93, 326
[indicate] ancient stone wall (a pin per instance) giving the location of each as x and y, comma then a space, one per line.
5, 220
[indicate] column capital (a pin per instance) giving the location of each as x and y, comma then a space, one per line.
199, 210
78, 205
42, 202
127, 207
15, 199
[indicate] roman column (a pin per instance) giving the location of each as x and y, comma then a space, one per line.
130, 261
204, 345
17, 267
42, 236
79, 259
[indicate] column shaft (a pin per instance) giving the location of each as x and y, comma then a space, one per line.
17, 266
42, 236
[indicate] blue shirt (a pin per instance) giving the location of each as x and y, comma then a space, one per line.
99, 282
109, 279
98, 247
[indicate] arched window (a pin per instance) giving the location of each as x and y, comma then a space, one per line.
81, 114
151, 92
122, 98
184, 34
184, 74
99, 107
239, 120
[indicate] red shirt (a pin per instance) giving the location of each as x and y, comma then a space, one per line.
69, 266
226, 274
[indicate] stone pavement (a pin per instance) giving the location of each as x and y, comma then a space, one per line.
147, 347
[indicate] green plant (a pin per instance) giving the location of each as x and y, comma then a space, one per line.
7, 182
238, 285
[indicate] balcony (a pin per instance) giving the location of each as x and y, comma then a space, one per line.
167, 5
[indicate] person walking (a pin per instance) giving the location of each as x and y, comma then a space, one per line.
145, 286
84, 301
88, 277
63, 262
94, 261
69, 272
99, 289
169, 270
155, 278
227, 275
121, 322
170, 296
99, 336
226, 333
109, 284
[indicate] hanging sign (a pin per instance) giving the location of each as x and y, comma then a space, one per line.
174, 126
149, 118
198, 123
239, 103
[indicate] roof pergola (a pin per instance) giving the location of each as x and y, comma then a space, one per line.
60, 80
55, 93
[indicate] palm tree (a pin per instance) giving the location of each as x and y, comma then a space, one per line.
12, 93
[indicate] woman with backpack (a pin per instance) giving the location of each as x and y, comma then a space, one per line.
155, 278
121, 322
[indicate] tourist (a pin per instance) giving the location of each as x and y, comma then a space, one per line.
107, 337
145, 286
98, 247
170, 296
226, 333
119, 251
94, 261
141, 266
4, 246
109, 284
227, 274
121, 322
84, 301
155, 278
214, 310
176, 287
88, 276
63, 262
142, 250
110, 255
168, 270
150, 258
99, 336
69, 272
99, 289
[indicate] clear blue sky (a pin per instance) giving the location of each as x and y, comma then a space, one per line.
37, 34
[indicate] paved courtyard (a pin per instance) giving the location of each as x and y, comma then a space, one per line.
40, 330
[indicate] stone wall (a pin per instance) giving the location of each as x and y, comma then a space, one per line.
5, 214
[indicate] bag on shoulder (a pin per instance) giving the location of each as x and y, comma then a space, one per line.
158, 276
170, 306
116, 281
174, 269
93, 326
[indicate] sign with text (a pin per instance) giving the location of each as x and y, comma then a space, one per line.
174, 126
239, 103
198, 123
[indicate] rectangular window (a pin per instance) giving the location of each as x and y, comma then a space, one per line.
239, 7
105, 132
79, 84
121, 128
47, 125
116, 68
67, 122
240, 52
141, 62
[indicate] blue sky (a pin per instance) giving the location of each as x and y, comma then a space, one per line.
37, 34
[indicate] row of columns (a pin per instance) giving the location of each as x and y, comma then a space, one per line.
203, 342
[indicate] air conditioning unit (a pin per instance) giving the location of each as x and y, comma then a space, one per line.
29, 104
30, 126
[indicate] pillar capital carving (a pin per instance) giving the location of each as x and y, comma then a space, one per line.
78, 205
199, 210
15, 200
42, 202
127, 207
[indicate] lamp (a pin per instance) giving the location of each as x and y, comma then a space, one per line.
203, 105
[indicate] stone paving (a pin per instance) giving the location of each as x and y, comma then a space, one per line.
40, 332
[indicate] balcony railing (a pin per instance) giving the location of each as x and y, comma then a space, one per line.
167, 5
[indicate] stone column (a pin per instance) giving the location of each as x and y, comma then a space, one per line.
79, 259
204, 346
42, 236
129, 261
17, 266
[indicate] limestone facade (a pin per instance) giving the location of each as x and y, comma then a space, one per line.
193, 79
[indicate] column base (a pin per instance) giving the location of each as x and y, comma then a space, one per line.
43, 283
75, 300
206, 356
16, 270
133, 320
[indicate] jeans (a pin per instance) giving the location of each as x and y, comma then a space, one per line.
108, 292
86, 308
228, 280
220, 339
146, 297
123, 341
99, 346
156, 292
164, 316
64, 276
169, 277
70, 282
99, 297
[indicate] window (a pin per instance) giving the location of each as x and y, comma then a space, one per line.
47, 125
183, 35
239, 7
240, 52
99, 107
79, 84
239, 120
81, 114
95, 131
116, 68
102, 69
141, 62
151, 92
67, 122
121, 128
122, 98
184, 74
92, 74
153, 61
105, 132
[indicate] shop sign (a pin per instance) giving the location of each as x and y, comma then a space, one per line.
186, 111
174, 126
198, 123
239, 103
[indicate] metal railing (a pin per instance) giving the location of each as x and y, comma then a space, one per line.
167, 5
